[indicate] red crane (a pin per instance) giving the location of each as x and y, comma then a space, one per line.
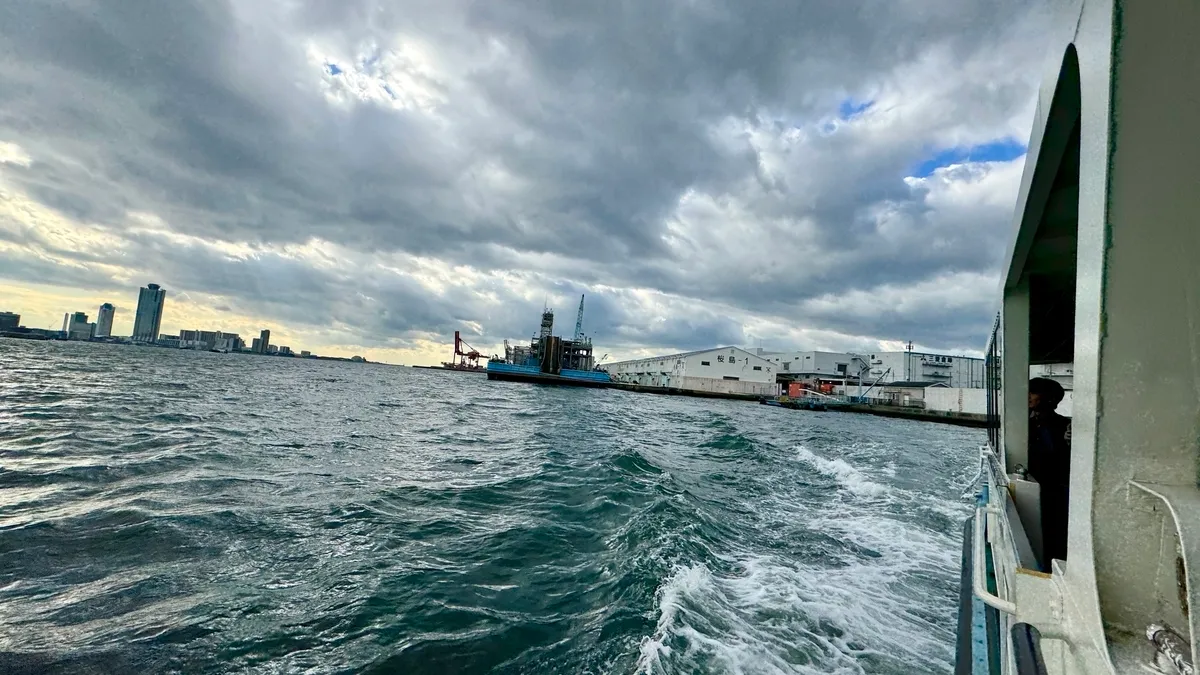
465, 356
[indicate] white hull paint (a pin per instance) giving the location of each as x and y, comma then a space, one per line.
1104, 271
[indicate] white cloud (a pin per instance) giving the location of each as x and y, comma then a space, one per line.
381, 173
400, 76
11, 153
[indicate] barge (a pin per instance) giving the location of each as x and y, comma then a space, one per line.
550, 359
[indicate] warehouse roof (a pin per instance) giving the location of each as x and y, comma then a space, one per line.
686, 354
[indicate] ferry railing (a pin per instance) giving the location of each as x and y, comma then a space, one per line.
992, 382
992, 477
979, 578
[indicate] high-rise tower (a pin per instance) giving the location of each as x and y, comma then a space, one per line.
148, 319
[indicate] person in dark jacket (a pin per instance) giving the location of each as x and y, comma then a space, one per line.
1050, 464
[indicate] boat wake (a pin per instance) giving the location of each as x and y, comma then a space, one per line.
874, 592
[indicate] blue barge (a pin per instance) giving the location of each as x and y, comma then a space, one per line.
550, 359
499, 370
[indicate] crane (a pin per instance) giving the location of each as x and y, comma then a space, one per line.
579, 320
468, 357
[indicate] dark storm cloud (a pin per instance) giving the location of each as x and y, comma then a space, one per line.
557, 140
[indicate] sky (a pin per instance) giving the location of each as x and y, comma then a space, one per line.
368, 176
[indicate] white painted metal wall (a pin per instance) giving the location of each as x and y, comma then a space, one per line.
824, 364
954, 371
702, 371
729, 386
956, 400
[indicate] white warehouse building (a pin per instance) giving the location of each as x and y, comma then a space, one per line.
805, 365
886, 367
723, 370
952, 371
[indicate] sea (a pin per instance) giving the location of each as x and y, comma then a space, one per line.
174, 511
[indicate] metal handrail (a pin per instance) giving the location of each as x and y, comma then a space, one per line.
993, 476
979, 576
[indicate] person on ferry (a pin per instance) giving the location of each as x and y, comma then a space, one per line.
1050, 464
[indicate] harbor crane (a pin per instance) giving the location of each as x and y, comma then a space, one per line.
465, 356
579, 321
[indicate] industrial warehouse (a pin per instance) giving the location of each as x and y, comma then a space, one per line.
722, 370
908, 379
736, 371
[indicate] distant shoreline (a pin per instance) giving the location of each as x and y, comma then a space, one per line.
34, 337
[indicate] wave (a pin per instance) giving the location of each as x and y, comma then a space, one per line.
371, 523
850, 478
774, 617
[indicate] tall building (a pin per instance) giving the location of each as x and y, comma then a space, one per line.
104, 320
78, 327
9, 320
149, 313
264, 342
228, 342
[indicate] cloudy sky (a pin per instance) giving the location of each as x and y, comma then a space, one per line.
367, 176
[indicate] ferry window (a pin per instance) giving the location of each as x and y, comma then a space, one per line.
758, 367
720, 359
705, 363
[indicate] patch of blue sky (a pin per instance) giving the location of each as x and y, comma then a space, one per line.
1002, 150
333, 69
850, 108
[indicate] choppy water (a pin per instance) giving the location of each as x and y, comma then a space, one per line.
164, 511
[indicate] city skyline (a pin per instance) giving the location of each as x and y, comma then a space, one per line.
151, 310
152, 291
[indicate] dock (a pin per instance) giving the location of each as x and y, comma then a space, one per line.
481, 370
676, 391
900, 412
910, 413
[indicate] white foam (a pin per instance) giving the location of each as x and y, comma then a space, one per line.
853, 480
776, 615
757, 622
669, 593
696, 609
884, 600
